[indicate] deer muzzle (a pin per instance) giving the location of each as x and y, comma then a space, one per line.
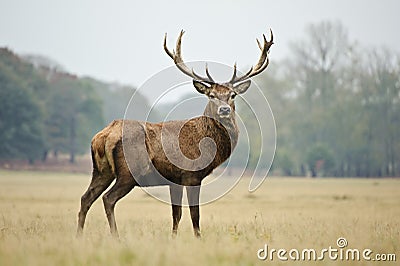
224, 111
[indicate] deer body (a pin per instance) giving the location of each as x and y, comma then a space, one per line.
137, 153
148, 152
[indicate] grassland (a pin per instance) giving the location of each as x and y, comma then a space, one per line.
38, 221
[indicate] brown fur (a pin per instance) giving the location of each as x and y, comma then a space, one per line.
147, 159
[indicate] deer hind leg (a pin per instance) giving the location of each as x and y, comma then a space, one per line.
121, 187
176, 203
98, 184
193, 194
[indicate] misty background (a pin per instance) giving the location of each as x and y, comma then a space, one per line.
68, 68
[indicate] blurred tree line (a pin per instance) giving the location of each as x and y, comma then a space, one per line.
336, 106
44, 109
335, 103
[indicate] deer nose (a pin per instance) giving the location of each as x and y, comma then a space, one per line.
224, 110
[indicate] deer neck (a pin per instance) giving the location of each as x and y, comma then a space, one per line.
228, 125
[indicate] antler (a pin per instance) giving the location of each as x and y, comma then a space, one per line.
177, 57
261, 65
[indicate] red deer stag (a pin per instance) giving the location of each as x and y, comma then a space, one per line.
149, 163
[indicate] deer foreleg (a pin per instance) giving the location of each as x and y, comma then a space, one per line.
176, 203
193, 194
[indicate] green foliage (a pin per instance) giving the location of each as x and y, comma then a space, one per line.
45, 109
337, 106
320, 160
115, 99
336, 101
21, 117
283, 161
74, 115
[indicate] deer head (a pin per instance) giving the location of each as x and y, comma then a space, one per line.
221, 95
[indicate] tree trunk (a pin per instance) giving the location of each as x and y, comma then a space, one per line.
44, 155
72, 140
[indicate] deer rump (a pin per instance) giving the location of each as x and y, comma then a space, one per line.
137, 149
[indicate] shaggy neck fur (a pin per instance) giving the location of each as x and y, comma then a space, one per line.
225, 129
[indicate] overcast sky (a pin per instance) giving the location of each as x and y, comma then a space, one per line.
122, 40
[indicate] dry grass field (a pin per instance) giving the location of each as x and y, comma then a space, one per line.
38, 214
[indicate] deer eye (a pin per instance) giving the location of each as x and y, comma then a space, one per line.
233, 95
211, 95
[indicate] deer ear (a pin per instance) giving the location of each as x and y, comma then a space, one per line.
201, 87
242, 87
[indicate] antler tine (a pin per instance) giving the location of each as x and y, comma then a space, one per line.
234, 73
261, 64
259, 44
180, 64
208, 74
166, 48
